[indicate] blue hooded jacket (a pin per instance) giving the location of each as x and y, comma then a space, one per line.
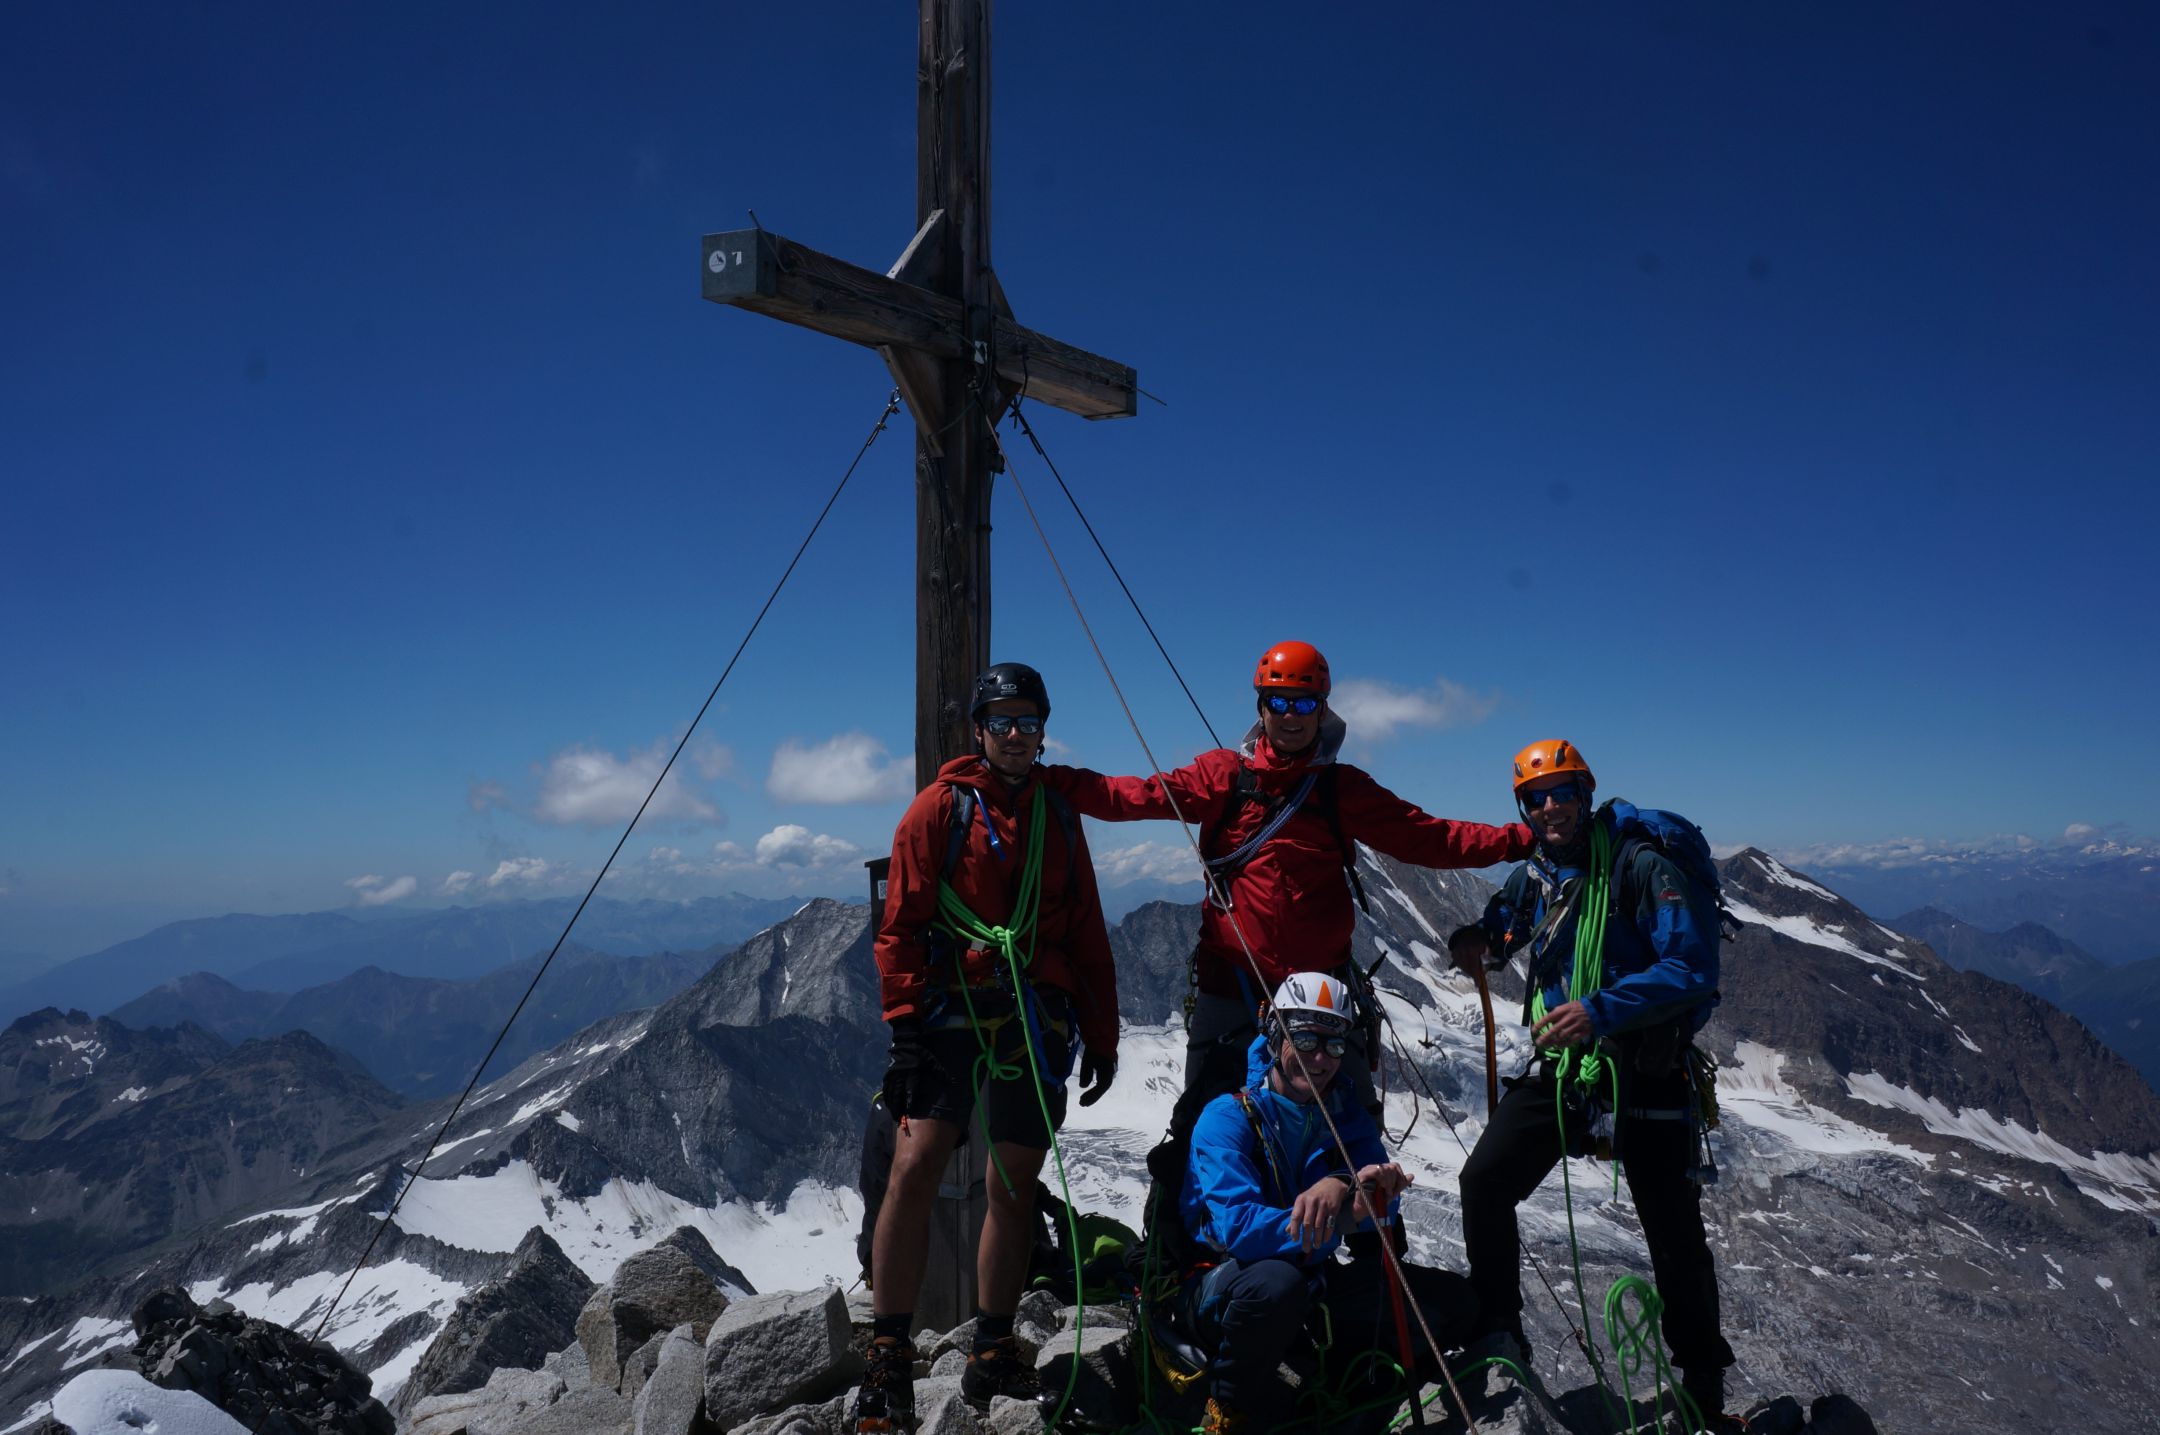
1661, 938
1238, 1189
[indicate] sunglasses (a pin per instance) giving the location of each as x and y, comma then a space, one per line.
1532, 801
1308, 1042
1282, 706
1001, 723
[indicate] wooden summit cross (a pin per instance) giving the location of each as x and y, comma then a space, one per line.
939, 319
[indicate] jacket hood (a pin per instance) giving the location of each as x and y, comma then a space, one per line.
974, 771
1255, 749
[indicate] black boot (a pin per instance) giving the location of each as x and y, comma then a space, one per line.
885, 1402
1706, 1387
998, 1368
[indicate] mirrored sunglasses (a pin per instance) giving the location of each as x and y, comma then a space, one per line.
999, 724
1283, 706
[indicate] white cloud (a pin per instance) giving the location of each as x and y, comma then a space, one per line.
853, 767
1146, 862
1374, 710
373, 890
526, 872
456, 882
711, 759
593, 788
2081, 841
791, 845
2080, 832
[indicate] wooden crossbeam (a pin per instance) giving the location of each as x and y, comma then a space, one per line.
758, 270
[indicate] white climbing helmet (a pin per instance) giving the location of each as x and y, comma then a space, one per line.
1312, 1001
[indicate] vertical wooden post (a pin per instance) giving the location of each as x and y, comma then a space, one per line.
952, 510
953, 471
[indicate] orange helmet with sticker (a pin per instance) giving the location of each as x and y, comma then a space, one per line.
1545, 759
1292, 665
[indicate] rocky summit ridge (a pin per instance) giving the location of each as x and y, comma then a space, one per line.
1938, 1194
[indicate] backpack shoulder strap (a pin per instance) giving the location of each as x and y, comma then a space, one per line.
1323, 793
1245, 790
1262, 1147
963, 812
1067, 824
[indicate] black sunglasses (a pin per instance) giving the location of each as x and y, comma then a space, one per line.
1308, 1042
999, 724
1282, 706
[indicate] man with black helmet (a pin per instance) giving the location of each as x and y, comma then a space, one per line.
991, 950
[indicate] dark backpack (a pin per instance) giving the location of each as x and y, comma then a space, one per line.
1318, 789
1680, 842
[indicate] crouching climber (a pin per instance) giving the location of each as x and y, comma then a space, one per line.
1269, 1195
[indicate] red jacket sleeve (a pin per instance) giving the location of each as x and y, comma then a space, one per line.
1200, 788
911, 902
1094, 971
1384, 822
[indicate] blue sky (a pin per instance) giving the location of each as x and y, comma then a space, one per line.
1759, 395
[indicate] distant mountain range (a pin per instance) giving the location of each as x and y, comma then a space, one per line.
421, 1036
291, 953
2104, 896
1939, 1192
2120, 1004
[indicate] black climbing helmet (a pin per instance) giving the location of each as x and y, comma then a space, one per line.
1009, 680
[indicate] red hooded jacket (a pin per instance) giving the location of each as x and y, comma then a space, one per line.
1290, 901
1072, 949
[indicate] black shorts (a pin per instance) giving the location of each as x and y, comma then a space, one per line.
944, 1089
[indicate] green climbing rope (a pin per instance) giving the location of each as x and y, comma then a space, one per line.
1005, 940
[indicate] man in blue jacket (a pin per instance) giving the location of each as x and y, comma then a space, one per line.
1269, 1195
1622, 966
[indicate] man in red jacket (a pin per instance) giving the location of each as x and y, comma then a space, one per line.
1279, 818
991, 947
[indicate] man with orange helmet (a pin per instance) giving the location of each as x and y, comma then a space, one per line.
1280, 818
1617, 915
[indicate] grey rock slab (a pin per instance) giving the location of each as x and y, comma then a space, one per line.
950, 1364
941, 1410
571, 1365
503, 1405
672, 1401
1108, 1384
770, 1351
637, 1368
515, 1320
829, 1418
1014, 1417
592, 1411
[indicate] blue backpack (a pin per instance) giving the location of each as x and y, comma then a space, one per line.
1681, 843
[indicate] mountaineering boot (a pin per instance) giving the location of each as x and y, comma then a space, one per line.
998, 1368
1220, 1419
1706, 1387
885, 1402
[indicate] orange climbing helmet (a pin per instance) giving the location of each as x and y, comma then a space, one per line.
1544, 759
1292, 665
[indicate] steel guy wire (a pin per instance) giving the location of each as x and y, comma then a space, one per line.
892, 405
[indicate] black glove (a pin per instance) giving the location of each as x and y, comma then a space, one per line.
1096, 1074
906, 1061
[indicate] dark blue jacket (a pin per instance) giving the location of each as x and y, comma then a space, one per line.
1661, 936
1239, 1184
